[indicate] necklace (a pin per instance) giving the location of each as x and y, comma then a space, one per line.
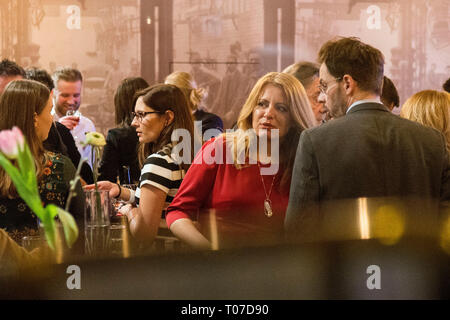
267, 203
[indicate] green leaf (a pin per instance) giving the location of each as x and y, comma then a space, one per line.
10, 169
28, 168
49, 228
69, 225
30, 196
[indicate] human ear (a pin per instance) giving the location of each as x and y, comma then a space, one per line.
170, 116
35, 120
349, 84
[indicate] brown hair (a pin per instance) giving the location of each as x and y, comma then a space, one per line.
66, 74
389, 94
300, 112
124, 98
430, 108
19, 103
364, 63
163, 97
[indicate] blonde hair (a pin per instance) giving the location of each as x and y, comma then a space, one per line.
300, 112
430, 108
187, 84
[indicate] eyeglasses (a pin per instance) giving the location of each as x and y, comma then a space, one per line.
141, 115
323, 87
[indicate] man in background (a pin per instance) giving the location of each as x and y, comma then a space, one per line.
308, 74
67, 97
60, 140
9, 71
365, 152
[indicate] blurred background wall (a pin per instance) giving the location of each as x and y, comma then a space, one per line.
219, 41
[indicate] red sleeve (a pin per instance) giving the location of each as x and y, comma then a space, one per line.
197, 185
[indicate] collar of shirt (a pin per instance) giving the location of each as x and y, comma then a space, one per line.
361, 102
55, 115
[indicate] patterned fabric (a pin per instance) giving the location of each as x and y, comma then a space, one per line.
17, 218
162, 172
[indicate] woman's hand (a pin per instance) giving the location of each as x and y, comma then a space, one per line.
126, 210
113, 188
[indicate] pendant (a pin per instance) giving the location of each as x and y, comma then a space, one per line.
268, 208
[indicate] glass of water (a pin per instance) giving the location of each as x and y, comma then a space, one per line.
120, 237
97, 222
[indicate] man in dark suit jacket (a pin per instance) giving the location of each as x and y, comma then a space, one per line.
60, 140
365, 151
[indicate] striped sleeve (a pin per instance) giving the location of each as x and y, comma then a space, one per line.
160, 171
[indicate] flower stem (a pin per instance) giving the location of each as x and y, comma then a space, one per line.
73, 183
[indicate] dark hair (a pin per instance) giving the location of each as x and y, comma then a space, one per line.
40, 75
389, 94
364, 63
66, 74
19, 103
163, 97
446, 85
10, 68
304, 71
124, 98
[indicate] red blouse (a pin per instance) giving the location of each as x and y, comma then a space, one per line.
237, 197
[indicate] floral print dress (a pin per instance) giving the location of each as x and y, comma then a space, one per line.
17, 218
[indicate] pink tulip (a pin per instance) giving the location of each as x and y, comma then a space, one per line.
11, 141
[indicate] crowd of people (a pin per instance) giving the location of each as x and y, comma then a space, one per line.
315, 132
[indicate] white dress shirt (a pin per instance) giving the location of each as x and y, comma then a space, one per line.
363, 101
79, 135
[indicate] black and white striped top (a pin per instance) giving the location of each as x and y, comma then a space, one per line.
162, 172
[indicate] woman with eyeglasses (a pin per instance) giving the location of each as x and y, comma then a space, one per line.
159, 111
119, 157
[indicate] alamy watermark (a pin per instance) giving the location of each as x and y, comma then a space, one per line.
74, 280
374, 280
242, 148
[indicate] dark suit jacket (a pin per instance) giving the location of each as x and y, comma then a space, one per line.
367, 153
120, 151
60, 140
209, 120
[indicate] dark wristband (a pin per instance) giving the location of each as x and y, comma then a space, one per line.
120, 191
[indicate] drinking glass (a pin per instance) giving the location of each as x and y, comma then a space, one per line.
97, 222
32, 242
120, 237
74, 113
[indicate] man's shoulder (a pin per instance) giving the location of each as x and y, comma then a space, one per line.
62, 129
353, 124
325, 128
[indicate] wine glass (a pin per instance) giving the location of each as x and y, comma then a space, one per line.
74, 113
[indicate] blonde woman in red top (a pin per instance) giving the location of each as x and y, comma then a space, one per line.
245, 189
